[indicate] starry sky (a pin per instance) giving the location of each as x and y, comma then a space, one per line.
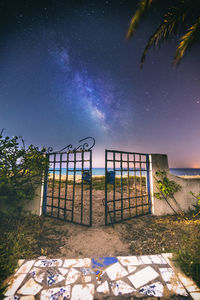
67, 72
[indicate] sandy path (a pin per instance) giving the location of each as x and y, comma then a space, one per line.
94, 242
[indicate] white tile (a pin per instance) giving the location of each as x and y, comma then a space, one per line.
116, 271
43, 263
103, 288
128, 260
87, 279
144, 259
72, 276
195, 295
188, 283
81, 262
37, 274
30, 288
30, 297
154, 289
20, 262
63, 271
14, 284
25, 268
59, 293
143, 276
158, 259
131, 269
167, 274
177, 288
119, 287
83, 292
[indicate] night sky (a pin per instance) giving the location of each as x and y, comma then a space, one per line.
67, 72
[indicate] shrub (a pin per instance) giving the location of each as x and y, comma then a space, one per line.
21, 172
188, 256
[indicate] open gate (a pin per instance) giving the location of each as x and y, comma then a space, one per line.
127, 186
68, 185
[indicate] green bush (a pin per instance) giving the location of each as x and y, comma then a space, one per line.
21, 171
25, 236
188, 256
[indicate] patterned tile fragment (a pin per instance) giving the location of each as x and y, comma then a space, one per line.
53, 277
80, 292
116, 271
43, 263
30, 288
143, 276
37, 274
155, 290
120, 288
60, 293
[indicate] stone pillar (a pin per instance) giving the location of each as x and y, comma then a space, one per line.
34, 206
159, 162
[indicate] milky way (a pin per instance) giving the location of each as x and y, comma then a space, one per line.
67, 72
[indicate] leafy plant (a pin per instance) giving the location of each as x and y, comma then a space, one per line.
167, 188
21, 172
197, 205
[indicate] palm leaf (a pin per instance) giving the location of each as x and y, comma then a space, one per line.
187, 40
143, 6
172, 20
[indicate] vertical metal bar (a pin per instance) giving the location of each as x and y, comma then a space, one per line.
53, 183
128, 187
74, 181
114, 208
58, 214
106, 202
82, 165
91, 188
44, 203
135, 187
148, 184
121, 186
66, 185
141, 197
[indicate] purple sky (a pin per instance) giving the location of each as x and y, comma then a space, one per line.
67, 72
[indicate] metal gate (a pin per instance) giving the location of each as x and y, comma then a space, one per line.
68, 184
127, 186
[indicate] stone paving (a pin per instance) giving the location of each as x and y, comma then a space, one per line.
87, 279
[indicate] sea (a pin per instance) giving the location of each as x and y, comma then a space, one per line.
101, 171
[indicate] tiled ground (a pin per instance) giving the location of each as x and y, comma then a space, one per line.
86, 279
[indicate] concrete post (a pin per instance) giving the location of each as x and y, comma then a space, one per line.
34, 206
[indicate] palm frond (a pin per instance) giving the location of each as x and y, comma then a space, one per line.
143, 6
187, 40
169, 25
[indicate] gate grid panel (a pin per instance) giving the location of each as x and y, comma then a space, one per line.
127, 186
68, 187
